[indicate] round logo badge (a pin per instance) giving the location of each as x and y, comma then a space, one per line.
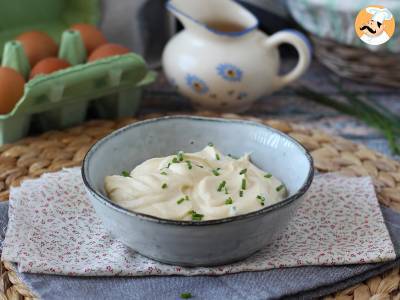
375, 25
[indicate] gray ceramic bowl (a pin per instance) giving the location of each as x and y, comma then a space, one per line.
192, 243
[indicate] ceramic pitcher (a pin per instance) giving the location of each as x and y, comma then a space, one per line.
221, 61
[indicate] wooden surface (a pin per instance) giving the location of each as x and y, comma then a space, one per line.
55, 150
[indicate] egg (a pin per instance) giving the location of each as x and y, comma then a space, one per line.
91, 36
49, 65
37, 45
11, 89
107, 50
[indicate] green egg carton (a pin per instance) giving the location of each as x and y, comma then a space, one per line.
111, 86
50, 16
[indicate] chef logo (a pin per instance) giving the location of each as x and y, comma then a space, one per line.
375, 25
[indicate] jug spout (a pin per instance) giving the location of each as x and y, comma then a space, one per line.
223, 17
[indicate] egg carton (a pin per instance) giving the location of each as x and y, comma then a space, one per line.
111, 86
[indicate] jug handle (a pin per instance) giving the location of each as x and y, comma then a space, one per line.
303, 47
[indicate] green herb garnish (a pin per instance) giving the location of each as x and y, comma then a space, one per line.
229, 201
243, 172
243, 184
281, 187
189, 164
164, 185
196, 216
261, 199
241, 193
125, 174
215, 171
226, 190
183, 199
221, 186
268, 175
164, 173
211, 144
175, 160
217, 156
186, 296
180, 155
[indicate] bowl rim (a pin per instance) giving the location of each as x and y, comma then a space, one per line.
107, 202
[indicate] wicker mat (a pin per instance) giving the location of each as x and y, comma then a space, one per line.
55, 150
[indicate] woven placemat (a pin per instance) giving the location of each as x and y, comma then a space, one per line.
52, 151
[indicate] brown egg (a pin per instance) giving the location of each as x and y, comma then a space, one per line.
11, 89
107, 50
37, 45
91, 36
49, 65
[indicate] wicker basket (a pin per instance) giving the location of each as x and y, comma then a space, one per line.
358, 64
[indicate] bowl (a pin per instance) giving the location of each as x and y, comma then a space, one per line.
197, 243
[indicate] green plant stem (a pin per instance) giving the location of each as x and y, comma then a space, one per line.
372, 114
325, 100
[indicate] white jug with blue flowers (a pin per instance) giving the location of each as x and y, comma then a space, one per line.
221, 61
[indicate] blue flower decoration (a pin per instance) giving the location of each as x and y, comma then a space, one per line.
229, 72
196, 84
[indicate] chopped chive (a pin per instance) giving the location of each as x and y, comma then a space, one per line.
164, 186
211, 144
215, 172
183, 199
243, 172
217, 156
279, 188
196, 216
189, 164
167, 167
243, 184
200, 166
180, 155
186, 296
268, 175
164, 173
175, 160
125, 173
226, 190
229, 201
241, 193
261, 199
221, 186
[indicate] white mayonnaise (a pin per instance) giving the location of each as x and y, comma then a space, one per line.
205, 185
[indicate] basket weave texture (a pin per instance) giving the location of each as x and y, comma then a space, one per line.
357, 63
52, 151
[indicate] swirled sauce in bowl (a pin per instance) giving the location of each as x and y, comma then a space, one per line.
198, 186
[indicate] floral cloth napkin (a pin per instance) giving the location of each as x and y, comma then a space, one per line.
53, 229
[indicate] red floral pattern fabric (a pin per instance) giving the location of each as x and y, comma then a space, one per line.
54, 229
